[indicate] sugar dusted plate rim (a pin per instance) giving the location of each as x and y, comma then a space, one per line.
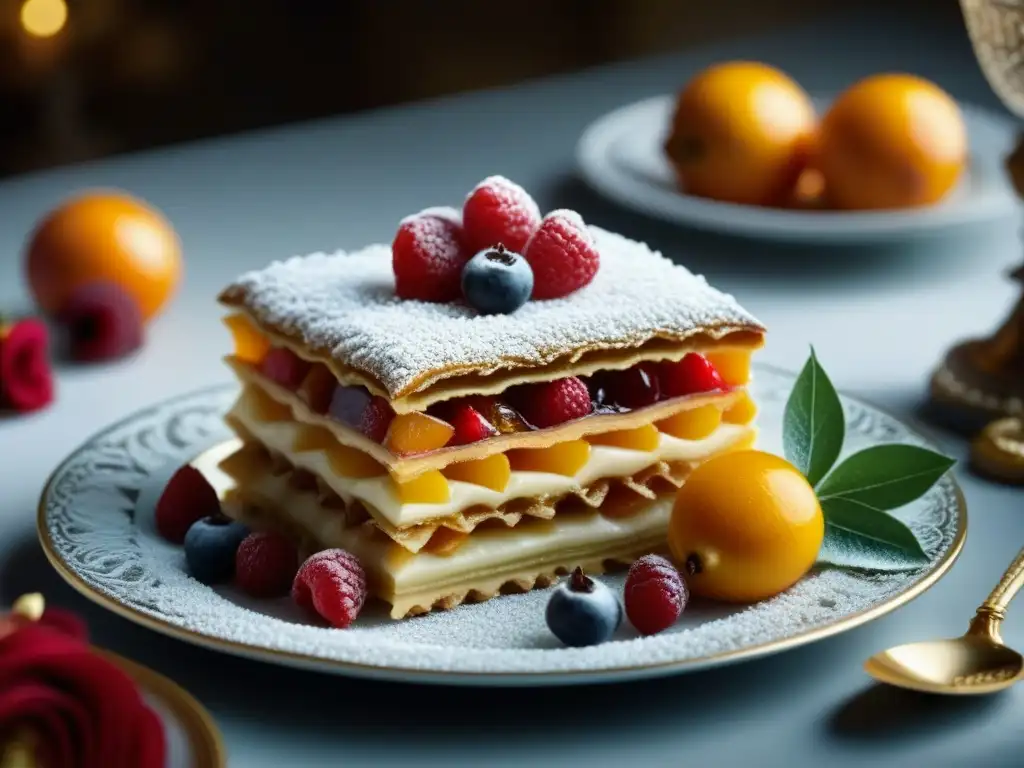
112, 556
618, 155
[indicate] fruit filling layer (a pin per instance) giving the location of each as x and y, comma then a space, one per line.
471, 420
487, 561
532, 473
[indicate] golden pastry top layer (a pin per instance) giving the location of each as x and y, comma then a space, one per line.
341, 309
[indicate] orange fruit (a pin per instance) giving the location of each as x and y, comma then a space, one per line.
742, 132
748, 524
891, 141
104, 236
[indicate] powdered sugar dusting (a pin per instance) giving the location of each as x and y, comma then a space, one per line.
98, 519
445, 212
344, 304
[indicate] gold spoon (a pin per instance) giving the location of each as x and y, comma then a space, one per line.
976, 663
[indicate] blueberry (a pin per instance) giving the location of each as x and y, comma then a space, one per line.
210, 547
583, 611
497, 281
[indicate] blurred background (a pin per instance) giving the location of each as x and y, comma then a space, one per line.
82, 79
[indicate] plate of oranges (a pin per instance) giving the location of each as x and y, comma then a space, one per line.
743, 149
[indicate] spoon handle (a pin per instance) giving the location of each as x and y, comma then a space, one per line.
991, 613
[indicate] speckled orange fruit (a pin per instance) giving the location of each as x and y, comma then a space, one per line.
742, 132
891, 141
747, 524
104, 236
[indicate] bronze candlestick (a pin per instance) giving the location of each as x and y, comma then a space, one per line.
980, 383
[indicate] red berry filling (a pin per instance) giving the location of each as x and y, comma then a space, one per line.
266, 564
499, 211
367, 413
635, 387
470, 425
376, 419
284, 367
655, 594
691, 375
555, 402
332, 584
188, 497
428, 254
26, 380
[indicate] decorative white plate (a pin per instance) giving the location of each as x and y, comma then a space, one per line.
620, 155
96, 526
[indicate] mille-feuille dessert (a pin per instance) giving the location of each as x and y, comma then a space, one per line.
471, 424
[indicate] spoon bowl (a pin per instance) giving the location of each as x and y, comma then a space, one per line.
974, 664
965, 666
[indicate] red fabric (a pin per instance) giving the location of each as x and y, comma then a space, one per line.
84, 711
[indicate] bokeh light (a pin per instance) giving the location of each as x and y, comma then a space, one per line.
44, 18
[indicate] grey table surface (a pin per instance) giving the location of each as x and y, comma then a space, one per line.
878, 319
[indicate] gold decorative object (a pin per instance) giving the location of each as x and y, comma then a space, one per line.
981, 380
998, 451
31, 606
976, 663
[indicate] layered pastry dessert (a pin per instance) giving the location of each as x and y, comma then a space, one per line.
459, 453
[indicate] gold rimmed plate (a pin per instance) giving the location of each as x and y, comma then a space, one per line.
96, 527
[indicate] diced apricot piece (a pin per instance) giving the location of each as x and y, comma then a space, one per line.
694, 424
266, 408
417, 433
566, 458
429, 488
445, 542
643, 438
251, 345
742, 411
732, 365
313, 439
351, 462
491, 472
317, 388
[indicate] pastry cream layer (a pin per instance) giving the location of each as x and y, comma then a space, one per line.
250, 334
407, 467
487, 562
380, 493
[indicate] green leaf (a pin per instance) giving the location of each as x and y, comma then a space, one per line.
813, 425
873, 526
844, 549
884, 476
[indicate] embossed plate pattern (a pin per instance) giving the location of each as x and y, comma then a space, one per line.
96, 526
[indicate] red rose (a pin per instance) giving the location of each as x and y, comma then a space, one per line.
81, 710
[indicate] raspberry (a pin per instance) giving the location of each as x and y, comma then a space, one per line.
428, 254
655, 594
693, 374
499, 211
103, 322
333, 584
26, 380
284, 367
265, 564
563, 255
470, 425
187, 498
555, 402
